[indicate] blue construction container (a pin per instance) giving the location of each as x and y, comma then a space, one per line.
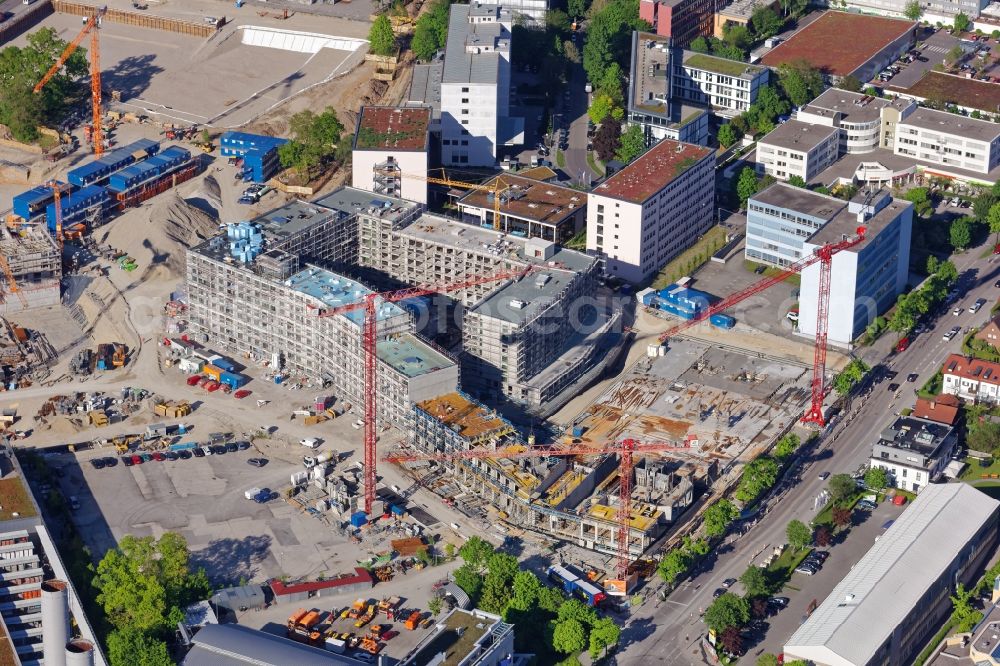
259, 153
77, 206
100, 169
183, 446
578, 431
224, 363
588, 592
233, 380
29, 205
358, 518
397, 510
722, 321
138, 173
563, 577
681, 301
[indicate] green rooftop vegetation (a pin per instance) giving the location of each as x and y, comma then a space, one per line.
368, 138
718, 65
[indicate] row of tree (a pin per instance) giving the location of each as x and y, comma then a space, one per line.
549, 625
918, 302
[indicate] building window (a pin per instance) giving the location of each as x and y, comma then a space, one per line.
465, 90
465, 100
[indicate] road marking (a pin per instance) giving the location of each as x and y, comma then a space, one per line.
677, 603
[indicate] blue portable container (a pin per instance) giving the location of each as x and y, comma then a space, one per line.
224, 363
233, 380
358, 518
77, 206
30, 204
722, 321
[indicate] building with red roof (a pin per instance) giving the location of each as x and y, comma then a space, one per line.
971, 379
941, 409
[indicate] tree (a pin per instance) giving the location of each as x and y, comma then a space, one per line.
737, 36
758, 608
604, 634
574, 609
767, 660
727, 135
787, 445
746, 185
431, 30
852, 373
731, 641
673, 565
468, 578
801, 82
876, 479
381, 37
755, 582
527, 589
728, 610
823, 536
850, 83
993, 218
960, 233
797, 181
633, 143
577, 8
609, 36
961, 22
316, 137
983, 435
841, 516
841, 487
569, 636
757, 477
131, 647
607, 140
696, 547
600, 108
913, 10
799, 535
719, 516
699, 45
765, 22
434, 605
963, 614
476, 552
571, 52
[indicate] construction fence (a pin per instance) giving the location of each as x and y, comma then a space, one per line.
141, 19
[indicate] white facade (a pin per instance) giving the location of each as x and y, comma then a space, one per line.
475, 86
971, 379
652, 210
797, 149
383, 172
532, 11
949, 140
728, 86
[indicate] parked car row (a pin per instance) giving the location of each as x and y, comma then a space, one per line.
141, 457
812, 563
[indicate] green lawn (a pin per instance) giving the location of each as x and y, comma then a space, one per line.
825, 517
770, 271
781, 569
718, 65
933, 387
974, 472
595, 166
560, 159
690, 260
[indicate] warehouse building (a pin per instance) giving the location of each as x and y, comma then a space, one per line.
528, 208
652, 210
391, 143
895, 598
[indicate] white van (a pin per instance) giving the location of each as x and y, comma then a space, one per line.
312, 443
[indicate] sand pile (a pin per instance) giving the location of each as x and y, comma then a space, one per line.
207, 196
157, 236
107, 313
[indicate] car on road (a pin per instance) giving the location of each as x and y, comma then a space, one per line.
892, 387
823, 476
719, 591
957, 311
729, 582
912, 377
97, 463
947, 337
978, 305
903, 344
257, 462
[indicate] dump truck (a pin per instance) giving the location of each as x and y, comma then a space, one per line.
412, 621
118, 355
357, 609
389, 606
366, 618
302, 627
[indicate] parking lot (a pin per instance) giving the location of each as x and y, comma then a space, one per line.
934, 50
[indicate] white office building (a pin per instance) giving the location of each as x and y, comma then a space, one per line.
532, 12
729, 87
390, 151
475, 87
886, 608
949, 140
798, 149
913, 452
652, 210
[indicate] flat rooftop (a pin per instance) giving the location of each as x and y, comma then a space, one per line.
970, 93
463, 61
839, 43
651, 72
15, 498
293, 218
734, 68
455, 640
393, 128
450, 233
333, 290
845, 223
652, 171
529, 199
903, 566
950, 123
797, 135
800, 200
852, 107
742, 9
920, 435
411, 356
351, 201
521, 300
467, 418
425, 86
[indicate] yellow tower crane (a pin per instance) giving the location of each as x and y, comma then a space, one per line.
496, 189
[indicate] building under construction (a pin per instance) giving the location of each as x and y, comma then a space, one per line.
35, 268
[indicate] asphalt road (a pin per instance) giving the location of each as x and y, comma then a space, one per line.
670, 632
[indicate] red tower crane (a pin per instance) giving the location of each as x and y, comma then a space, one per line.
626, 450
824, 255
369, 337
97, 133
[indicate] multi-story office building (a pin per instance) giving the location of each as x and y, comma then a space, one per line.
475, 87
652, 210
531, 12
249, 293
885, 609
933, 10
949, 140
798, 149
786, 223
649, 103
729, 87
391, 143
865, 122
680, 20
528, 208
913, 452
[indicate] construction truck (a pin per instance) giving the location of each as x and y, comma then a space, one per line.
118, 355
366, 618
357, 609
412, 621
389, 606
302, 626
369, 645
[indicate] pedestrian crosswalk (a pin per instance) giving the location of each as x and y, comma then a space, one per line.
936, 49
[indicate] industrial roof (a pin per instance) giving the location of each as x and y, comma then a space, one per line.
520, 300
799, 136
650, 81
839, 43
359, 576
293, 217
916, 434
958, 90
472, 53
845, 224
333, 290
528, 199
652, 171
950, 123
391, 127
411, 356
234, 645
425, 86
880, 591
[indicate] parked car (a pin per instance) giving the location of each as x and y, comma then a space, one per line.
170, 455
198, 452
780, 602
947, 337
257, 462
978, 305
159, 457
806, 570
729, 582
719, 591
903, 344
184, 455
823, 476
110, 461
127, 461
97, 463
958, 311
866, 505
232, 447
